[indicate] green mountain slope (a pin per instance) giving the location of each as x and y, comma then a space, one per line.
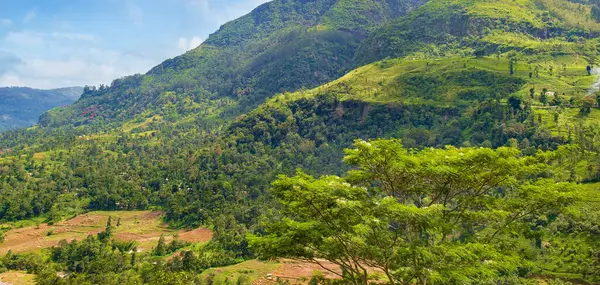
440, 28
160, 120
167, 124
280, 46
22, 107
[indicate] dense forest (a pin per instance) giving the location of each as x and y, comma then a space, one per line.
403, 141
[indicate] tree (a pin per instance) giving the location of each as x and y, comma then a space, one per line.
544, 98
532, 93
480, 52
439, 216
511, 66
161, 247
108, 229
515, 102
557, 101
512, 62
596, 12
107, 233
587, 104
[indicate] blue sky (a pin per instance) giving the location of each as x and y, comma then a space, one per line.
59, 43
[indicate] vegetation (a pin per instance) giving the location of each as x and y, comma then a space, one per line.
270, 50
443, 28
403, 212
478, 146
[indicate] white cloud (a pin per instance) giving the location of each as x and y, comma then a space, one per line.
5, 22
25, 38
189, 44
29, 38
90, 67
29, 16
10, 80
51, 60
195, 42
182, 44
8, 61
59, 57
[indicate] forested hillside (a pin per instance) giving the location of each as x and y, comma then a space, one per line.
280, 46
455, 28
22, 107
472, 128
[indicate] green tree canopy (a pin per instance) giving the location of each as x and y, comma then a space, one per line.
438, 216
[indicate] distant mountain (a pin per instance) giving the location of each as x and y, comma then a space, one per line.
21, 106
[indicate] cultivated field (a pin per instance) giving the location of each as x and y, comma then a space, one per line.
144, 227
17, 278
262, 272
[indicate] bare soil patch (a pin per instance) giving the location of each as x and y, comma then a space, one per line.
293, 269
196, 236
144, 227
300, 272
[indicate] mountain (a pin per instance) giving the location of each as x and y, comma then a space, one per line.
487, 27
281, 46
21, 107
291, 85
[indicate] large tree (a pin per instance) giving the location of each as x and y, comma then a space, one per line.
437, 216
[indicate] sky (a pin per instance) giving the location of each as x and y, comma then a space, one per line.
61, 43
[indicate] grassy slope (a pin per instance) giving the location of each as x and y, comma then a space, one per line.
378, 82
446, 27
560, 259
17, 278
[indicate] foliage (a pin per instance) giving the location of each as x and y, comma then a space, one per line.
201, 137
403, 212
438, 28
